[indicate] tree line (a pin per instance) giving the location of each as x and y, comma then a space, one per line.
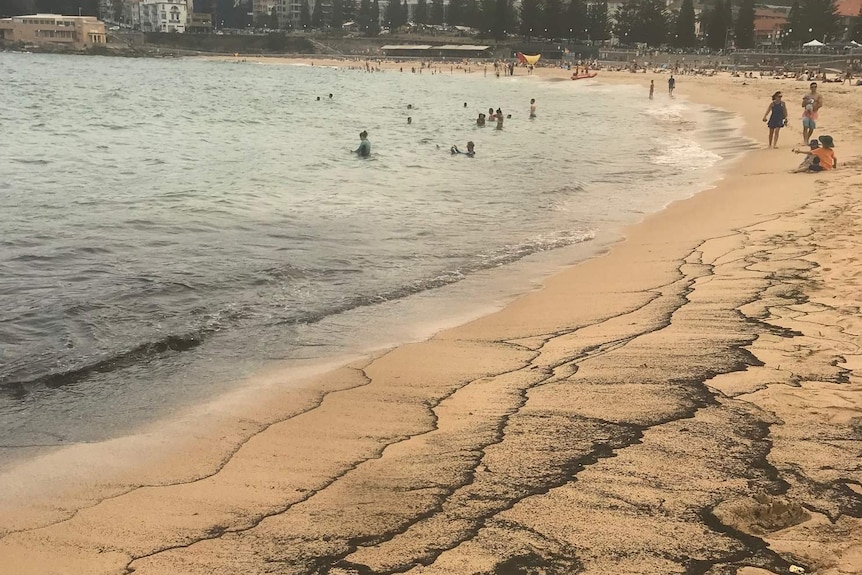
722, 22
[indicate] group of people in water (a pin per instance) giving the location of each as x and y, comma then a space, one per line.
364, 149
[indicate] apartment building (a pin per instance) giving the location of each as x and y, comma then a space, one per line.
76, 31
164, 16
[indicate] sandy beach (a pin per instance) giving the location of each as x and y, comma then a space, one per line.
688, 402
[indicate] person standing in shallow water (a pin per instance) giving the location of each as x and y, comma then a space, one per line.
777, 113
364, 149
671, 85
532, 107
651, 88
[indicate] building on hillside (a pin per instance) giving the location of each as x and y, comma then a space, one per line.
769, 24
76, 31
200, 23
131, 14
847, 11
261, 8
164, 16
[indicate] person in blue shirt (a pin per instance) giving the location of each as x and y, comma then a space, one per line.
364, 149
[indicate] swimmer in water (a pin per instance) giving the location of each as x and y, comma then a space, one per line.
471, 151
532, 107
480, 121
364, 149
409, 120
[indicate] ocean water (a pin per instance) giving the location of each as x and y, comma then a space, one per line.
167, 227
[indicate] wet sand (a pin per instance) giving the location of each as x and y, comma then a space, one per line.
688, 402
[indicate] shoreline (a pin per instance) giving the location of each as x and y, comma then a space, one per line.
510, 363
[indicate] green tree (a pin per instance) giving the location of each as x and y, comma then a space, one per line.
821, 18
599, 23
685, 36
794, 29
856, 30
17, 8
530, 17
472, 14
374, 22
317, 15
364, 17
575, 21
420, 13
455, 13
336, 15
626, 21
436, 16
651, 22
304, 16
717, 25
350, 12
553, 18
392, 15
744, 32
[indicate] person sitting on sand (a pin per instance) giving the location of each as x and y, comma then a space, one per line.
364, 149
480, 121
469, 153
825, 155
809, 156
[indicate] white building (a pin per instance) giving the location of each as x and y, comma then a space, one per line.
157, 15
164, 16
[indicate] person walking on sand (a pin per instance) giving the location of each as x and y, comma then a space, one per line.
651, 88
532, 107
671, 84
777, 118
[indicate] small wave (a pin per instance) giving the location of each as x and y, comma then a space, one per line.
143, 352
506, 255
685, 155
30, 161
